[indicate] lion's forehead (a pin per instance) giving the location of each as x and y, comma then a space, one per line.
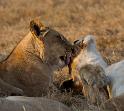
56, 39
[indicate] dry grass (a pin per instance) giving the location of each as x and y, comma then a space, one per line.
103, 18
74, 101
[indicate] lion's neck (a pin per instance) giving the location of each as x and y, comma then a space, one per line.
23, 53
19, 53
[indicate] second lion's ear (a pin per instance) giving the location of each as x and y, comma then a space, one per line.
79, 42
37, 28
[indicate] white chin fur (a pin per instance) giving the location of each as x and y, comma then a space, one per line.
61, 63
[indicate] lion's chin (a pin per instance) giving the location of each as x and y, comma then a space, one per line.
61, 64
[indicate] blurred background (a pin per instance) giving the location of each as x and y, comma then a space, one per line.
72, 18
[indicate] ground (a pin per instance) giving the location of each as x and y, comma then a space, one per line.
73, 18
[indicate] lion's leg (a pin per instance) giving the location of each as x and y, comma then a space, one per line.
7, 89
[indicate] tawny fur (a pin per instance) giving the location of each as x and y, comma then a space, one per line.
31, 64
94, 83
20, 103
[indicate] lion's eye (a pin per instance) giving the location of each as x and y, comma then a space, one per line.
58, 36
61, 37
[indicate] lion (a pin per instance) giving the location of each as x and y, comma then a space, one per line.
31, 64
88, 72
113, 104
89, 53
7, 89
116, 74
94, 83
22, 103
91, 81
88, 78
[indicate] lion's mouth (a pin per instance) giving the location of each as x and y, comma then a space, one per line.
66, 59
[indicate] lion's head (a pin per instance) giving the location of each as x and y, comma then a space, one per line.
52, 47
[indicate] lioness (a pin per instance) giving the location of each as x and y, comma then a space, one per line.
89, 53
87, 77
31, 64
116, 74
114, 104
94, 83
21, 103
88, 71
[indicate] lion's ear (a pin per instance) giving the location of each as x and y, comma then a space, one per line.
79, 42
36, 27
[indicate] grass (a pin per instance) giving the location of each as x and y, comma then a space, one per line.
102, 18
